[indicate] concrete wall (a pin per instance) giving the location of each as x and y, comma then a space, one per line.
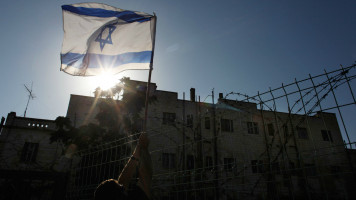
281, 148
19, 130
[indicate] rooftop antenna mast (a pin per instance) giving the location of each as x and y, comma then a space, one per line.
30, 96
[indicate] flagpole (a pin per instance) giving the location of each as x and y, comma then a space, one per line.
150, 72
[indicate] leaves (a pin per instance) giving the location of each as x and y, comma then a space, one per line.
115, 118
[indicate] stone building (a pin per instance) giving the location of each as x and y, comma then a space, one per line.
232, 149
28, 162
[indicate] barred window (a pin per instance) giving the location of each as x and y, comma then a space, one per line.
190, 162
275, 167
291, 168
227, 125
190, 121
302, 133
252, 127
334, 169
285, 130
228, 164
326, 135
168, 160
29, 152
257, 166
209, 162
169, 118
207, 122
310, 169
270, 128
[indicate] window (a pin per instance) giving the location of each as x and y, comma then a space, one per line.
335, 170
228, 164
207, 123
190, 121
29, 152
169, 118
257, 166
285, 130
326, 135
190, 162
270, 128
227, 125
302, 133
252, 127
310, 170
286, 180
291, 167
209, 162
168, 160
275, 168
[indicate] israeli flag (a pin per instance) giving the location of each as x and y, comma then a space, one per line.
98, 38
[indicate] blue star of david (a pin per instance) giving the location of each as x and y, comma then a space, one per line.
108, 39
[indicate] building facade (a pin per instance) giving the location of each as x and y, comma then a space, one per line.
233, 150
29, 166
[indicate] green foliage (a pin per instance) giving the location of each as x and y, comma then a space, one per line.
116, 118
108, 115
124, 115
134, 103
88, 136
64, 130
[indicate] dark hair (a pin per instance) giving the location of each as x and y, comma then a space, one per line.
109, 190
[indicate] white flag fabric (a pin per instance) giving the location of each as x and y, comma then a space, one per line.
98, 38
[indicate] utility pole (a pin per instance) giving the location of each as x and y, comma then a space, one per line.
30, 96
199, 148
199, 138
216, 182
183, 129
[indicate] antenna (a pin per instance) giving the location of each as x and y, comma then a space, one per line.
30, 96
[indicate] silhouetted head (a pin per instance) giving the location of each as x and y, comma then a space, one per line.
110, 190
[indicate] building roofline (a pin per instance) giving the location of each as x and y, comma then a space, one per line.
166, 91
80, 95
34, 119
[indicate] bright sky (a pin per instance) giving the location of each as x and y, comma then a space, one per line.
240, 46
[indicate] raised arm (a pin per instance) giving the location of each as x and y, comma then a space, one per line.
140, 160
145, 168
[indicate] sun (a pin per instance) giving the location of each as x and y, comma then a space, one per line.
106, 80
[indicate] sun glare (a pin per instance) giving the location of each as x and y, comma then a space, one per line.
106, 80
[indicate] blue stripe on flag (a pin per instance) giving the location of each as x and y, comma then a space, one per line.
102, 61
127, 16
